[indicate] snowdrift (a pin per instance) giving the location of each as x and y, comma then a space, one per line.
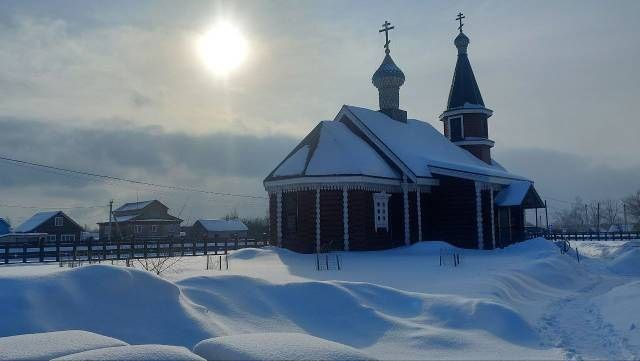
131, 305
627, 263
135, 353
45, 346
275, 346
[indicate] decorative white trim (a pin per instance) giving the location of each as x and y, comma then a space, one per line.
340, 182
345, 217
405, 201
419, 207
317, 219
478, 187
448, 113
381, 210
279, 217
493, 224
472, 141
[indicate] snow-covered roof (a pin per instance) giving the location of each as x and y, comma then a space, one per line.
125, 218
422, 148
36, 220
515, 193
4, 221
133, 206
333, 149
220, 225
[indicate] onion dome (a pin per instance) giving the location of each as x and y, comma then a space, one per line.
461, 42
388, 74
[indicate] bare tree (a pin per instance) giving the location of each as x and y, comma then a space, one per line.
633, 209
232, 215
611, 213
158, 265
573, 218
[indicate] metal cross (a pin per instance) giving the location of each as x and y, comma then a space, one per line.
459, 18
386, 29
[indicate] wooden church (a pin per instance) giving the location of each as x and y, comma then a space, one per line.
376, 179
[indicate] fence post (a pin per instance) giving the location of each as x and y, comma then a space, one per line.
75, 247
206, 247
144, 252
226, 260
104, 250
89, 251
158, 248
171, 247
24, 252
131, 250
41, 241
118, 249
57, 250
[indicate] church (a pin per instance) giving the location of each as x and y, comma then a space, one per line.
377, 179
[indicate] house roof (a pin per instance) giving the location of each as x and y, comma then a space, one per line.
333, 149
519, 194
422, 148
133, 206
220, 225
4, 221
464, 88
39, 218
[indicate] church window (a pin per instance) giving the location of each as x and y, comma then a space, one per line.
381, 206
456, 130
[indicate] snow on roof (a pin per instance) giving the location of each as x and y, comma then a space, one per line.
340, 151
294, 165
125, 218
133, 206
36, 220
335, 150
513, 194
422, 148
2, 220
220, 225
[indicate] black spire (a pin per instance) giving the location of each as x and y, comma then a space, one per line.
464, 88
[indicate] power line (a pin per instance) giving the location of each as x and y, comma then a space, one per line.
126, 180
54, 208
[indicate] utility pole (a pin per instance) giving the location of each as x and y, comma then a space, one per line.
598, 217
110, 213
624, 210
546, 214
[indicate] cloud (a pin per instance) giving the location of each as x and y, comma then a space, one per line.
564, 176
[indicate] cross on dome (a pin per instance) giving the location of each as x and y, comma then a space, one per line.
386, 29
459, 18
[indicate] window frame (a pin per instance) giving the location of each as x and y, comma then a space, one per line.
58, 221
137, 228
52, 238
68, 237
154, 228
461, 117
381, 210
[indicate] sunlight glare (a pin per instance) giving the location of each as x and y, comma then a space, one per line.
222, 48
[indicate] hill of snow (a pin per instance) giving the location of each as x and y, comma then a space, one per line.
519, 302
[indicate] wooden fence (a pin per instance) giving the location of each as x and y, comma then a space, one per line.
37, 251
584, 236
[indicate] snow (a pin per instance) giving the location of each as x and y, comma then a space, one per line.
340, 151
422, 148
133, 206
513, 194
37, 219
293, 165
214, 225
275, 346
45, 346
135, 352
627, 262
526, 301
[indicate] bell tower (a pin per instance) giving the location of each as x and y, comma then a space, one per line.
466, 117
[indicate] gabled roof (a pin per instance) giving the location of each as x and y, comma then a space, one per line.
3, 221
519, 194
38, 219
422, 148
333, 149
221, 225
134, 205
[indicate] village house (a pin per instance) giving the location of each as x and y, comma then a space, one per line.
218, 229
374, 179
57, 226
140, 220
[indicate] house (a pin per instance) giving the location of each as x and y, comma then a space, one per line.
141, 220
5, 227
375, 179
218, 229
58, 226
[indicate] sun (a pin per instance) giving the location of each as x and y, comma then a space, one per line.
222, 48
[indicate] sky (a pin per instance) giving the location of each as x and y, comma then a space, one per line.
118, 88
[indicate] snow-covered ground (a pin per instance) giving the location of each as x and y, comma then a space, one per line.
524, 302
